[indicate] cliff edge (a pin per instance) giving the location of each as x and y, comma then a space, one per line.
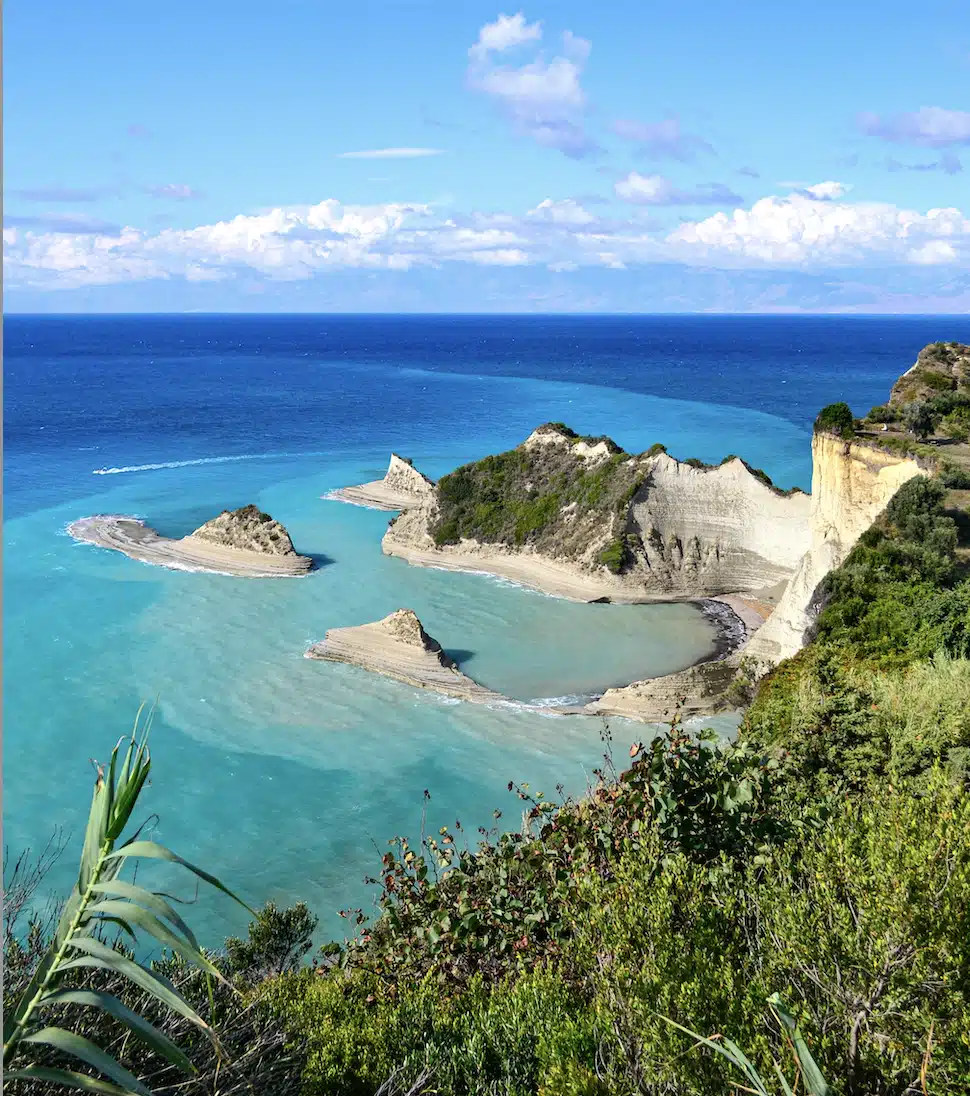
579, 517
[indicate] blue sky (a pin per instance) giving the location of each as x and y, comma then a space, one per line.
556, 157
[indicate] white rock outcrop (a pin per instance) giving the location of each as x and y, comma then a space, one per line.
403, 486
716, 530
852, 483
399, 647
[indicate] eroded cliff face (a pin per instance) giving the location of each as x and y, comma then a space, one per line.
403, 477
715, 530
852, 483
685, 530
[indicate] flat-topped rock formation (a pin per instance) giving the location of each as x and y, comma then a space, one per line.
399, 647
579, 517
402, 486
245, 542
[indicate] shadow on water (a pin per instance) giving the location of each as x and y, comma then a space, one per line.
319, 560
461, 656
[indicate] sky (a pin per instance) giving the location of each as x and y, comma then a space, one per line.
433, 156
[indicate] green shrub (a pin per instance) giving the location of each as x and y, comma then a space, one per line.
656, 449
836, 418
883, 413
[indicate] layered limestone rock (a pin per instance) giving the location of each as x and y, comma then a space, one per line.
402, 486
659, 527
247, 529
698, 690
246, 543
852, 483
715, 530
399, 647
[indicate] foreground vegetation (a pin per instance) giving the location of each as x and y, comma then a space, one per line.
799, 899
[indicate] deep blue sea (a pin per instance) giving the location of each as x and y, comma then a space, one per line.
285, 776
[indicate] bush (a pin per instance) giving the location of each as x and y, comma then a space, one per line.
836, 418
918, 419
956, 424
883, 413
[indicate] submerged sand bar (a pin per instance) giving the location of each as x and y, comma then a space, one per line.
192, 553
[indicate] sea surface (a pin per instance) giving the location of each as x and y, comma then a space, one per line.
285, 776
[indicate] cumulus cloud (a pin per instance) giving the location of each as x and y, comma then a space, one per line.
659, 190
662, 139
542, 98
390, 154
802, 230
932, 127
933, 253
179, 191
813, 228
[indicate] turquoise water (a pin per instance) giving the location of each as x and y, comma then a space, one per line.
286, 776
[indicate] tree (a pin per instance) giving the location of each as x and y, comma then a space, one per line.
918, 419
836, 418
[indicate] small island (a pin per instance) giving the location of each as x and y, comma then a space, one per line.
245, 543
402, 486
399, 647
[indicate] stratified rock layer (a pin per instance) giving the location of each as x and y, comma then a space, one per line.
245, 543
247, 529
399, 647
852, 483
402, 486
684, 530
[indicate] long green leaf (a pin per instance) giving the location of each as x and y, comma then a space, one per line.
150, 900
81, 1081
729, 1050
152, 850
94, 837
79, 1047
148, 1033
100, 955
130, 912
815, 1083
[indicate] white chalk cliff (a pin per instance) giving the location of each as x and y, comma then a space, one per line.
715, 530
852, 483
692, 532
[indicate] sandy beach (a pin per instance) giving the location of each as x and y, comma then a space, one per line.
138, 541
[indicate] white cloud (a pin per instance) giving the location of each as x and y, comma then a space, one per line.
802, 230
658, 190
390, 154
566, 211
933, 253
828, 191
543, 99
794, 231
932, 127
505, 33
